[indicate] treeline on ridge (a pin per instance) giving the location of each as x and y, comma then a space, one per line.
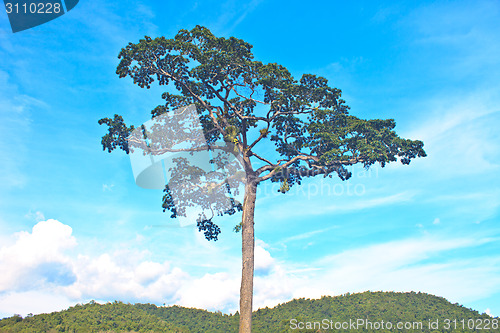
373, 306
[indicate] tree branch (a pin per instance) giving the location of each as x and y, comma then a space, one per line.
207, 106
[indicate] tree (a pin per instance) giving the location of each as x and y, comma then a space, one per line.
247, 104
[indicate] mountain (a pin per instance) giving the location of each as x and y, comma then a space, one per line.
362, 312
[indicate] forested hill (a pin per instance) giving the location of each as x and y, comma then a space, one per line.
319, 315
91, 317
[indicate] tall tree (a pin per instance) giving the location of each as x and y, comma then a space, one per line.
248, 104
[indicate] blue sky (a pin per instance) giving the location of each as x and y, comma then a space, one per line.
75, 227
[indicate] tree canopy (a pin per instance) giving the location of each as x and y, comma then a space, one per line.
245, 102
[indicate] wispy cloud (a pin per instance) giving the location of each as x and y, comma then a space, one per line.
37, 216
403, 266
106, 187
481, 205
306, 235
234, 12
320, 204
460, 139
15, 127
370, 203
468, 31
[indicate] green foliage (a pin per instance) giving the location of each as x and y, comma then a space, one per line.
284, 186
237, 228
372, 306
117, 135
264, 132
194, 319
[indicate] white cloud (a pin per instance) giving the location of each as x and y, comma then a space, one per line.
306, 235
274, 288
40, 261
106, 187
322, 205
32, 301
468, 32
401, 266
436, 221
234, 13
263, 260
122, 275
404, 265
63, 279
358, 204
14, 128
37, 216
108, 277
44, 256
219, 291
460, 138
36, 256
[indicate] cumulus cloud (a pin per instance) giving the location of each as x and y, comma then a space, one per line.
37, 257
274, 288
263, 260
41, 261
46, 266
48, 261
32, 301
219, 291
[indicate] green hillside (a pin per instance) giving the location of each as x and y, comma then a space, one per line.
363, 312
91, 317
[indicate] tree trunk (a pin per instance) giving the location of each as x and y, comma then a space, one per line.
247, 258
